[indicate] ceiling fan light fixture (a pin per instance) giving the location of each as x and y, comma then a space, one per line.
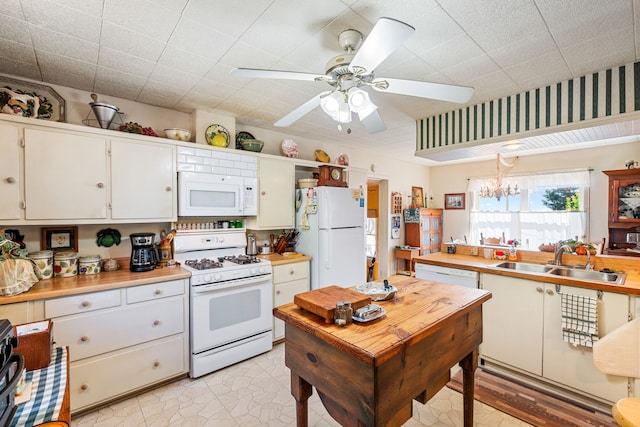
336, 106
358, 99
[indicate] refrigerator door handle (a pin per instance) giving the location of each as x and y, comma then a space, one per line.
327, 253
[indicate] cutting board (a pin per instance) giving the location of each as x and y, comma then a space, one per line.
323, 301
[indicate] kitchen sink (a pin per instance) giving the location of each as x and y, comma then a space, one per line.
595, 276
572, 273
523, 266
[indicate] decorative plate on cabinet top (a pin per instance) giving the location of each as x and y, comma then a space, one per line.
240, 136
289, 148
26, 99
342, 160
321, 156
217, 136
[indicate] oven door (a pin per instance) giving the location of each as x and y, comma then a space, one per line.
201, 194
222, 316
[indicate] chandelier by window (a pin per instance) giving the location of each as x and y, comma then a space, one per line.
497, 188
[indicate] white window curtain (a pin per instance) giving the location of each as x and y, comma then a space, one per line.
531, 228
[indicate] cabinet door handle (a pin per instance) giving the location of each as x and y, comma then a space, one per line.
156, 364
156, 322
11, 180
84, 387
292, 272
100, 185
158, 292
167, 188
86, 303
277, 292
84, 338
549, 291
538, 289
263, 193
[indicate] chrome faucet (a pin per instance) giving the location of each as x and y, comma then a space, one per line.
560, 249
588, 266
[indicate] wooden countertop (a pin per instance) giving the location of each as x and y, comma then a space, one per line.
630, 266
419, 308
277, 259
105, 280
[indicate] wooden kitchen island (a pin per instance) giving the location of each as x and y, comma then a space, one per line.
367, 374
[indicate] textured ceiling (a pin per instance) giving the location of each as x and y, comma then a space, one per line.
178, 53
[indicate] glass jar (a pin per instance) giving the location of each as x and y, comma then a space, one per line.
343, 314
44, 264
65, 264
89, 264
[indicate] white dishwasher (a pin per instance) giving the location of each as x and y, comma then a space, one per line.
453, 276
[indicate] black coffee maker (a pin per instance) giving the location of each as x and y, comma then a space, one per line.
144, 256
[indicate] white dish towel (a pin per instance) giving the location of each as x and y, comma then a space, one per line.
579, 319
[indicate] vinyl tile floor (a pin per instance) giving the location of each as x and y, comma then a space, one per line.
256, 392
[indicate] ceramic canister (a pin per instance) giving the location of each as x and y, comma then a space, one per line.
65, 264
44, 264
89, 264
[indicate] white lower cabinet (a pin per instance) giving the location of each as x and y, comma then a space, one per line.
522, 329
288, 280
122, 340
512, 322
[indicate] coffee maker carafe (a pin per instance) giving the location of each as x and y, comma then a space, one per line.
144, 256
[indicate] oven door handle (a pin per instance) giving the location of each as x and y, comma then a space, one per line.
254, 281
15, 358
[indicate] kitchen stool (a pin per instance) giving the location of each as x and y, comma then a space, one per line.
626, 412
617, 353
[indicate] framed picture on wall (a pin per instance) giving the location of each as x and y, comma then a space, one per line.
59, 239
417, 199
454, 201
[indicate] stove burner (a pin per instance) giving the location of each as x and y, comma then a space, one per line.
242, 259
203, 264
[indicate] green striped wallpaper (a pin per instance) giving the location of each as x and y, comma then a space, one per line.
611, 92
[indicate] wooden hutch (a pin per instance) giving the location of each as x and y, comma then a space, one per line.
624, 210
423, 229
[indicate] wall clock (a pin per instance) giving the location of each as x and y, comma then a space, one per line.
331, 176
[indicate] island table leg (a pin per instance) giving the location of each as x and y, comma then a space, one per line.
301, 391
468, 365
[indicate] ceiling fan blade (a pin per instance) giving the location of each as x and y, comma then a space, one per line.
373, 123
256, 73
385, 37
302, 110
442, 92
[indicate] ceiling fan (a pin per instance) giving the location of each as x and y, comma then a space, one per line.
353, 70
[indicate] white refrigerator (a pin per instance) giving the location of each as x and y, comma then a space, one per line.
331, 225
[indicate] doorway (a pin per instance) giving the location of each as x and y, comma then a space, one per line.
371, 230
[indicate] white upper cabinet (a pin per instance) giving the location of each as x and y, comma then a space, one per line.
277, 190
143, 181
10, 180
51, 175
65, 175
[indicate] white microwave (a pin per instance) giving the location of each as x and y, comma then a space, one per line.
203, 194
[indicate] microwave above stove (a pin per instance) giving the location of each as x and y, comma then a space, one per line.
204, 194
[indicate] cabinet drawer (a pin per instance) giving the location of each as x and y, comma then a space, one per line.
293, 271
154, 291
102, 378
107, 330
82, 303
